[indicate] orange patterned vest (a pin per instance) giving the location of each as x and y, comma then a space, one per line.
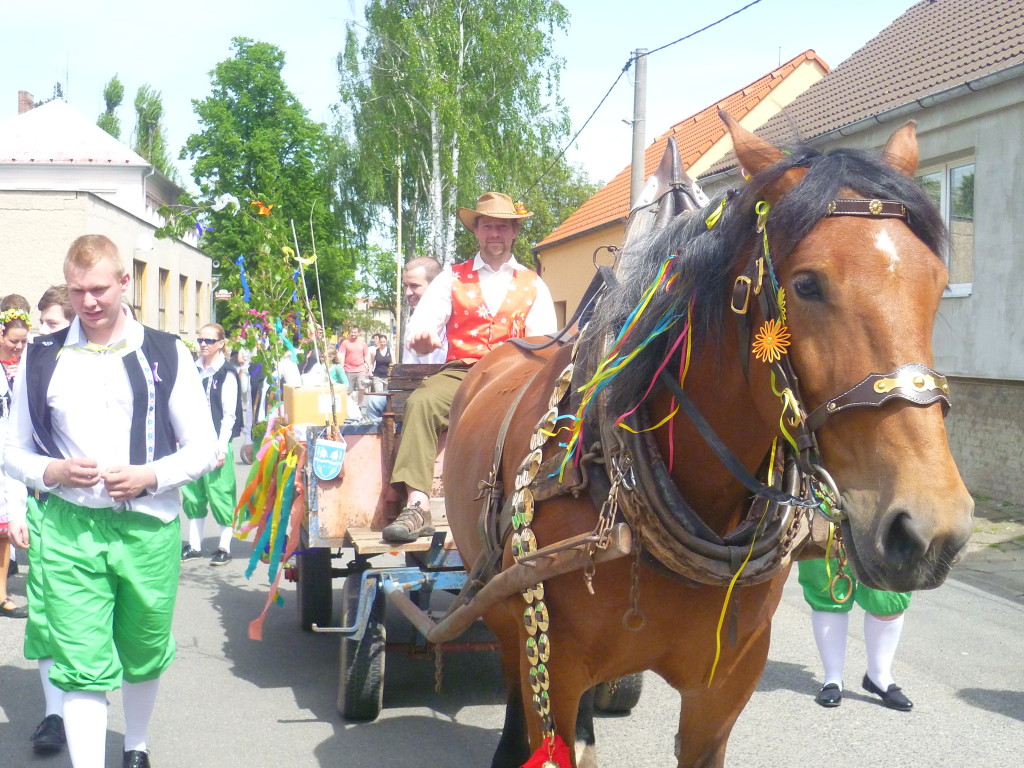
472, 331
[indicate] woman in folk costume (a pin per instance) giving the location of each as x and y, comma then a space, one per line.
13, 338
215, 491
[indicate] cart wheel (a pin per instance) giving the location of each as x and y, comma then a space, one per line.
620, 696
313, 590
361, 662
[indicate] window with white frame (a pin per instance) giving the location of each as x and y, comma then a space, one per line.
951, 188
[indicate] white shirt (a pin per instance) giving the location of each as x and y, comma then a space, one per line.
435, 357
228, 399
90, 401
288, 370
435, 307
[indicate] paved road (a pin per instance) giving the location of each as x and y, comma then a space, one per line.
229, 701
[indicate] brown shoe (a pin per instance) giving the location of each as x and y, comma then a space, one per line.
413, 522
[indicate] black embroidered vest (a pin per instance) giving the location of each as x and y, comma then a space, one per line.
152, 435
213, 388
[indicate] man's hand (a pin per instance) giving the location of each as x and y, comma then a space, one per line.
128, 481
424, 342
18, 533
72, 473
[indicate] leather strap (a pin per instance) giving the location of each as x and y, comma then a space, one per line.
914, 382
884, 209
724, 455
603, 277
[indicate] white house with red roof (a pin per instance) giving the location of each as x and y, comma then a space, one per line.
62, 176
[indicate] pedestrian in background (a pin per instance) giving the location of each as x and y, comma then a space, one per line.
14, 329
55, 314
830, 620
215, 491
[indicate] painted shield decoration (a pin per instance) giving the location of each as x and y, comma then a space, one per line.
328, 458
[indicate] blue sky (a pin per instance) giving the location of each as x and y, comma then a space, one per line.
173, 47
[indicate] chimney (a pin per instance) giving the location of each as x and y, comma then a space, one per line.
26, 101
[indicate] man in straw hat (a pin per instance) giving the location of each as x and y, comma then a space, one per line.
478, 305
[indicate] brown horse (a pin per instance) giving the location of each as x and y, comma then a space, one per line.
862, 283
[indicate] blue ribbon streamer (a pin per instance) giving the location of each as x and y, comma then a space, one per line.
240, 261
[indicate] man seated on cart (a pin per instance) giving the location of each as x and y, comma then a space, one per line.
477, 305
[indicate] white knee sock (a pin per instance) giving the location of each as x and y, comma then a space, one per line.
85, 723
225, 538
830, 636
139, 701
52, 695
195, 533
881, 639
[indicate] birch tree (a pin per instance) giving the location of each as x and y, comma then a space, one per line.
462, 94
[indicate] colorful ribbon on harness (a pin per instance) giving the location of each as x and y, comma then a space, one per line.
615, 361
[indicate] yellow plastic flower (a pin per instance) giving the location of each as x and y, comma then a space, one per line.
771, 342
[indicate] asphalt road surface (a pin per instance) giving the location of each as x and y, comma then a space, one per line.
231, 701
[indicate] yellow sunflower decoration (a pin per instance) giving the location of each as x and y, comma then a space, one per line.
771, 341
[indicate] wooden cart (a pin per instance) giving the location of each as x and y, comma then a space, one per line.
341, 539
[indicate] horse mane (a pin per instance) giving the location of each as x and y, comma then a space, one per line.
708, 257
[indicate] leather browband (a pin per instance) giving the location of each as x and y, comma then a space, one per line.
848, 206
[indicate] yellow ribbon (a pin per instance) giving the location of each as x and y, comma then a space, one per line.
716, 214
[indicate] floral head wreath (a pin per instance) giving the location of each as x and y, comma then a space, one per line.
14, 314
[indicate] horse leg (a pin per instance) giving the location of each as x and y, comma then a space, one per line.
586, 747
708, 715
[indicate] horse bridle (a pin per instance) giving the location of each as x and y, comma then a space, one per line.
915, 383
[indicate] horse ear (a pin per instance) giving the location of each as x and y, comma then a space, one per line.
901, 149
755, 155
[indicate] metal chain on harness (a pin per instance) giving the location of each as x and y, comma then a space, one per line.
524, 543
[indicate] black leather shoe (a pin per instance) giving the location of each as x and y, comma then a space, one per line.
49, 735
830, 695
892, 697
136, 758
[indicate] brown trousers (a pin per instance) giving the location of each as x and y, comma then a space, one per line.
426, 416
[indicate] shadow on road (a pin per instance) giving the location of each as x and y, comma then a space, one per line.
1009, 703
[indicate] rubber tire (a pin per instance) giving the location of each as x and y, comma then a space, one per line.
313, 591
361, 663
620, 697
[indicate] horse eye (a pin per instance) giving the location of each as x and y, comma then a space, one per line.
806, 287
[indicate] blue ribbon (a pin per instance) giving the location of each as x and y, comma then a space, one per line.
240, 261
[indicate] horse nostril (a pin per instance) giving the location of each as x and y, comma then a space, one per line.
903, 541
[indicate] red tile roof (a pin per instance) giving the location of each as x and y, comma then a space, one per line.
695, 135
936, 45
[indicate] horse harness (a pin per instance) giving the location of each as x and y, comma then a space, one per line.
627, 479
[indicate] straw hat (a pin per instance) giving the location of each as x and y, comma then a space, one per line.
495, 205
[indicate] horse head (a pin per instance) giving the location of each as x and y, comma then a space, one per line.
859, 296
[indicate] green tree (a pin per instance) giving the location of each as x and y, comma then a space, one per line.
113, 95
256, 142
463, 93
150, 141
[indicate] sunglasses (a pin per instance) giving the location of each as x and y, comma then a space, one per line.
207, 341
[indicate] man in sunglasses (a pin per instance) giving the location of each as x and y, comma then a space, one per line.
104, 419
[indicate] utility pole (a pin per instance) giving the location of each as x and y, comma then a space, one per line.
636, 177
396, 343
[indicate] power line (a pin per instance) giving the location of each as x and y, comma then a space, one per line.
623, 71
705, 29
